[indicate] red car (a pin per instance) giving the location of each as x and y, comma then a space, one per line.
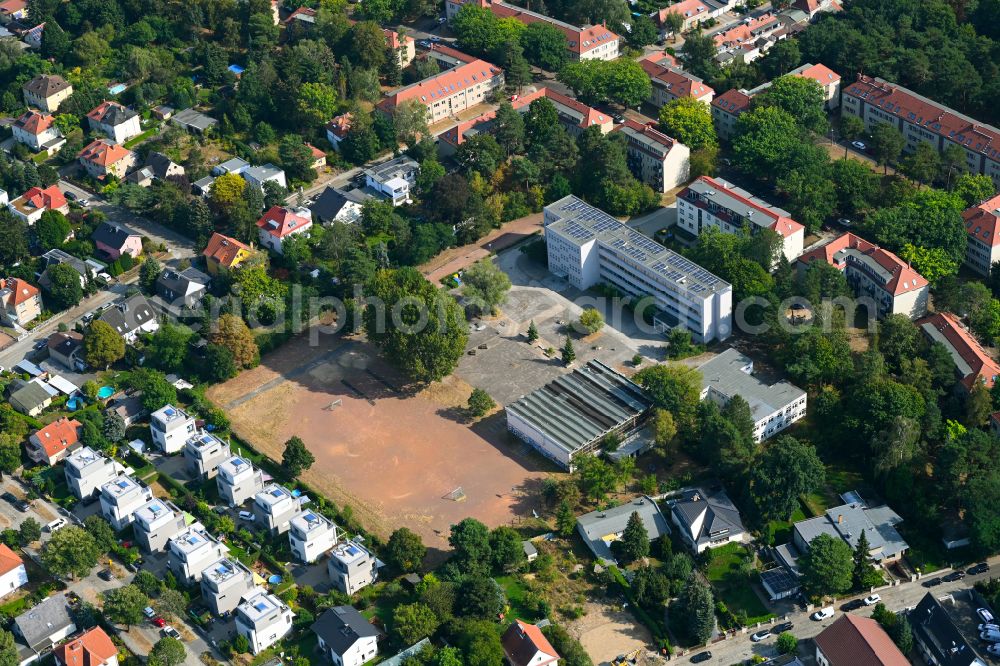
159, 622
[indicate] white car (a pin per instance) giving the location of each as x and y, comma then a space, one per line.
992, 635
760, 635
994, 649
171, 632
149, 612
84, 202
985, 615
872, 599
988, 627
248, 516
56, 525
859, 145
823, 613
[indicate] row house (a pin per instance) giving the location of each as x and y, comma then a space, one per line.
972, 363
827, 79
653, 157
748, 40
874, 272
715, 202
670, 83
983, 233
921, 120
449, 93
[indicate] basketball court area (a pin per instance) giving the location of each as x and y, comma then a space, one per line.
398, 459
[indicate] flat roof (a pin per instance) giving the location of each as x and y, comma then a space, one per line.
725, 374
577, 408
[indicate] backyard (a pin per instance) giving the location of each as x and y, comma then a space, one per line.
730, 572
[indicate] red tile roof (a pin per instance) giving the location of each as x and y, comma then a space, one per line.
59, 435
663, 58
442, 86
20, 290
340, 125
679, 83
444, 49
965, 345
648, 132
743, 32
12, 6
785, 226
904, 279
281, 222
316, 152
98, 113
578, 40
35, 122
9, 560
858, 641
732, 101
930, 116
301, 12
821, 74
92, 648
224, 249
981, 222
104, 153
50, 198
523, 641
686, 8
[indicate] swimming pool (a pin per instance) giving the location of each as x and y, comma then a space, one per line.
105, 392
74, 404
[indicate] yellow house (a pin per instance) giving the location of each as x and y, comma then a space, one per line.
226, 253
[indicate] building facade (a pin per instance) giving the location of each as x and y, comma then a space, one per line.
263, 619
351, 567
20, 302
449, 93
279, 223
53, 442
983, 232
114, 121
47, 92
191, 551
238, 481
274, 507
311, 535
653, 157
393, 179
121, 498
204, 453
224, 583
586, 246
155, 523
670, 83
87, 470
102, 158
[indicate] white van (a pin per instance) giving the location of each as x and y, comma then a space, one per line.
56, 525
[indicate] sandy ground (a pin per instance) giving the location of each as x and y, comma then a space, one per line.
457, 258
606, 632
390, 454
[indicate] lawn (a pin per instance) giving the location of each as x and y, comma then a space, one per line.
928, 554
515, 591
139, 138
780, 531
732, 586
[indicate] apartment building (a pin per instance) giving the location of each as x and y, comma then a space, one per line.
191, 551
773, 407
274, 507
238, 481
263, 619
973, 364
875, 273
586, 246
715, 202
670, 83
922, 120
155, 523
449, 93
311, 535
653, 157
114, 121
87, 470
225, 583
46, 92
121, 498
983, 231
279, 223
352, 566
171, 427
748, 40
204, 453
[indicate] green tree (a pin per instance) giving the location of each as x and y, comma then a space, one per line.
148, 583
675, 388
296, 458
429, 334
149, 271
8, 649
413, 622
296, 159
470, 543
532, 331
565, 519
635, 540
404, 551
787, 643
52, 229
123, 605
480, 598
100, 529
923, 164
827, 567
595, 476
851, 127
113, 427
864, 575
690, 122
800, 97
64, 289
232, 333
934, 263
697, 610
568, 353
102, 345
544, 45
410, 119
765, 137
241, 644
70, 552
30, 531
168, 349
570, 651
485, 285
591, 320
508, 128
480, 402
167, 652
171, 603
156, 390
506, 549
664, 428
887, 144
974, 188
481, 644
622, 81
10, 453
786, 470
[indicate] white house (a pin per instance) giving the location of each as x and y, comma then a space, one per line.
311, 535
274, 507
346, 637
155, 523
393, 179
38, 132
238, 481
259, 175
264, 620
204, 453
707, 519
87, 470
352, 566
171, 427
656, 159
191, 551
115, 121
13, 575
121, 498
279, 223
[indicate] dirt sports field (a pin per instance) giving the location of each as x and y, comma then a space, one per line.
390, 454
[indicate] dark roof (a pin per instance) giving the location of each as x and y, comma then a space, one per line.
65, 343
56, 256
27, 395
717, 513
112, 234
341, 627
173, 283
328, 205
935, 630
46, 85
853, 640
159, 164
128, 315
37, 624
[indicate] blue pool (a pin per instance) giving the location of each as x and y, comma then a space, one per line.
74, 404
105, 392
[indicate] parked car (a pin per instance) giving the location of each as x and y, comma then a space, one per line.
954, 576
149, 612
9, 497
84, 202
618, 118
933, 582
701, 657
853, 604
442, 20
860, 145
760, 635
988, 627
159, 622
823, 613
994, 649
171, 632
991, 635
781, 628
977, 569
985, 615
70, 196
248, 516
22, 505
56, 525
106, 574
872, 599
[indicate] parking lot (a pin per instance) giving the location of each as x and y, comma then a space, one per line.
963, 614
